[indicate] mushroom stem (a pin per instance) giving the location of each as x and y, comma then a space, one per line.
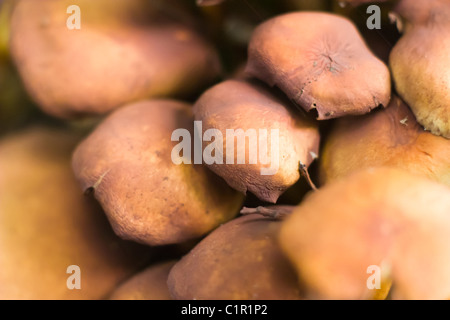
304, 172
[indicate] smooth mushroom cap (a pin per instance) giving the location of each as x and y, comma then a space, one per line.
149, 284
240, 260
321, 62
387, 218
251, 107
127, 163
123, 52
387, 137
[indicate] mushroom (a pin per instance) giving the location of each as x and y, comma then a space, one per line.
320, 61
419, 62
124, 51
127, 163
253, 124
148, 284
388, 137
48, 228
377, 229
240, 260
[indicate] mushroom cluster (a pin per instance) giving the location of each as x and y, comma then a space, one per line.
224, 150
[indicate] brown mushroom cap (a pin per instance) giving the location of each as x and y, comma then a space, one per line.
385, 217
249, 105
422, 12
321, 62
123, 52
127, 163
149, 284
47, 225
240, 260
387, 137
419, 64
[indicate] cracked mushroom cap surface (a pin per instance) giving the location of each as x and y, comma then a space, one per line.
383, 218
124, 51
249, 106
127, 163
419, 63
387, 137
321, 62
240, 260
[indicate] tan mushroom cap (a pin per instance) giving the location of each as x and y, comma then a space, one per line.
47, 225
250, 106
382, 217
149, 284
419, 64
127, 163
321, 62
123, 52
240, 260
388, 137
